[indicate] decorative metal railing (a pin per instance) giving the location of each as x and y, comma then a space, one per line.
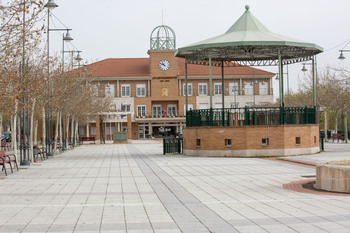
251, 116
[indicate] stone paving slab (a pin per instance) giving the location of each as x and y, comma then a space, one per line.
134, 188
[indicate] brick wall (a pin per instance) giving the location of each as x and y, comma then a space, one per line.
250, 137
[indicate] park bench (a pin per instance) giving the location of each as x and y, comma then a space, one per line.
39, 152
87, 139
338, 136
7, 159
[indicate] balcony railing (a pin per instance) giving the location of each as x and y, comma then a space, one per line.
251, 116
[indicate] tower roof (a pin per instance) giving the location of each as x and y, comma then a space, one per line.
162, 37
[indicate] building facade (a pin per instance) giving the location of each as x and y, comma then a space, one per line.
148, 96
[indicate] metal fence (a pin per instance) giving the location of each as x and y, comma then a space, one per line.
172, 145
251, 116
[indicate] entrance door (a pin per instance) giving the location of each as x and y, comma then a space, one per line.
143, 131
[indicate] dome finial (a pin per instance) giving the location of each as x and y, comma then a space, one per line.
247, 7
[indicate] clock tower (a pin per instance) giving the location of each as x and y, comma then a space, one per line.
163, 63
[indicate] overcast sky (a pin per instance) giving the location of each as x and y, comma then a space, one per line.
121, 28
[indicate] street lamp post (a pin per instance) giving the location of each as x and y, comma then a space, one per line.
50, 6
345, 117
235, 90
253, 85
314, 77
49, 143
24, 114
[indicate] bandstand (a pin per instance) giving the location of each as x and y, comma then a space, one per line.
251, 131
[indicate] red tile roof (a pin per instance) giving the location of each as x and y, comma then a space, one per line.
127, 67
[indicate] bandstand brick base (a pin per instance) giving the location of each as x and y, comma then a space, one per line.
251, 141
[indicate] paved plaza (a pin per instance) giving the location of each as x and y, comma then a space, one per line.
134, 188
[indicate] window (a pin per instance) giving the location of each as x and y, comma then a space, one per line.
140, 90
93, 130
96, 89
315, 140
249, 89
141, 110
198, 142
125, 107
218, 105
109, 90
172, 110
109, 130
234, 104
228, 142
297, 141
81, 130
126, 90
189, 91
265, 141
217, 88
263, 88
156, 110
189, 106
202, 89
203, 106
233, 88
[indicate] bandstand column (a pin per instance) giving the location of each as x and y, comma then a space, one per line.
314, 79
223, 92
210, 83
186, 92
280, 73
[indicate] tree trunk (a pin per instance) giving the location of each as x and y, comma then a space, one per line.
336, 123
76, 132
31, 133
56, 134
60, 128
325, 124
345, 126
0, 124
67, 133
72, 131
14, 131
36, 132
43, 140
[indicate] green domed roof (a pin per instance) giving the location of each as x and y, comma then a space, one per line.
248, 39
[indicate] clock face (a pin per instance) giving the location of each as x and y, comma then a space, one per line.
164, 65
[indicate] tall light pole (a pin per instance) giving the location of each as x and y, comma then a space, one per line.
24, 114
314, 77
235, 90
50, 6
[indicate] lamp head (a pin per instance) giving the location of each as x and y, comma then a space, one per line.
341, 56
51, 5
67, 37
304, 68
78, 58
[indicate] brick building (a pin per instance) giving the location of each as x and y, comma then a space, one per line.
148, 94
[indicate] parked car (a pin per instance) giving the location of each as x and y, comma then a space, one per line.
6, 135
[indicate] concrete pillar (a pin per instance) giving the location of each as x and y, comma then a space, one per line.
129, 124
118, 127
98, 133
118, 89
150, 128
181, 126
